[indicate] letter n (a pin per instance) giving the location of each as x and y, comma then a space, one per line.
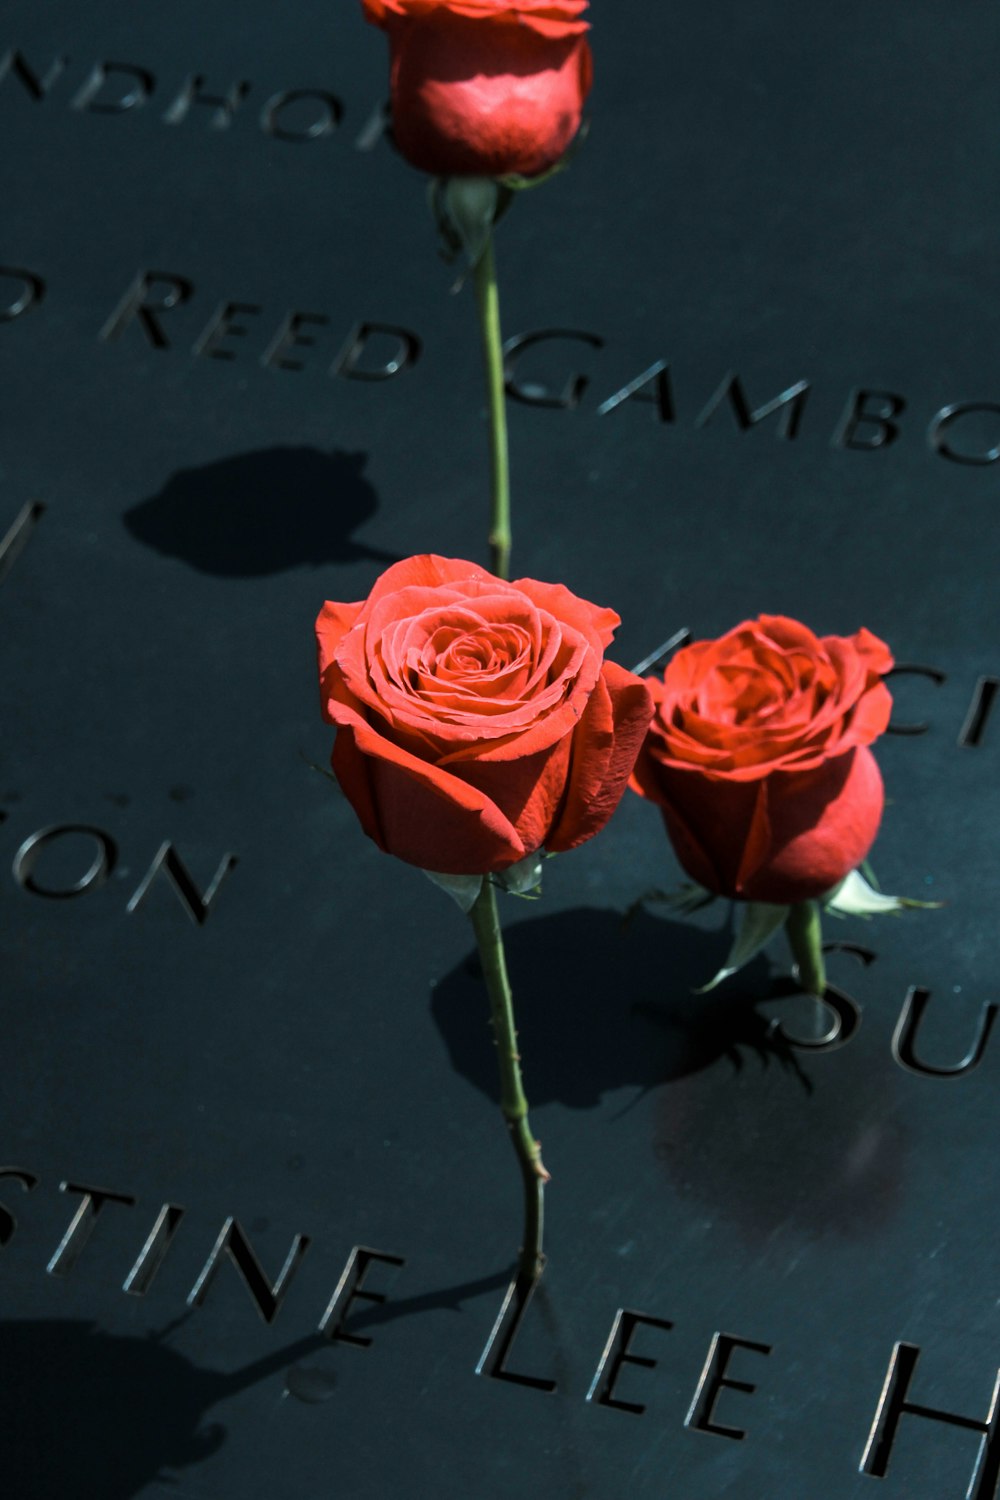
232, 1242
195, 904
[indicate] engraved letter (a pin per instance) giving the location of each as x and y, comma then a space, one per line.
223, 106
530, 392
139, 303
323, 123
661, 396
16, 539
8, 1223
374, 128
349, 1290
905, 1035
846, 1011
195, 904
616, 1350
233, 1242
493, 1361
857, 414
971, 731
790, 403
137, 92
893, 1404
222, 325
151, 1256
899, 670
949, 414
96, 873
30, 293
36, 87
714, 1379
81, 1226
289, 336
348, 361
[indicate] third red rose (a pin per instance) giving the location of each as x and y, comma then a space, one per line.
485, 88
758, 757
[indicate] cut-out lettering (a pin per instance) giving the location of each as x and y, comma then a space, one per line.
27, 1181
152, 1255
35, 85
223, 106
661, 397
222, 325
350, 1289
532, 393
844, 1010
790, 403
893, 1405
493, 1360
30, 291
617, 1353
374, 128
151, 294
869, 409
905, 1035
81, 1226
15, 539
29, 854
351, 362
661, 654
714, 1379
233, 1244
301, 115
290, 336
983, 698
178, 876
908, 669
939, 430
116, 97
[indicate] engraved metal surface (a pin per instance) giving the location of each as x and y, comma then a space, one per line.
257, 1217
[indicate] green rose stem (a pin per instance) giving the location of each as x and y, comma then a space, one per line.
805, 937
486, 924
488, 303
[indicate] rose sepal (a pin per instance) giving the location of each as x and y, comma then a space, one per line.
518, 183
463, 889
465, 209
521, 879
854, 896
758, 922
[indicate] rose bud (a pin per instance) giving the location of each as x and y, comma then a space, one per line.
758, 757
485, 88
477, 720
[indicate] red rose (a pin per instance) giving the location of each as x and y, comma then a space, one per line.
477, 721
484, 88
758, 757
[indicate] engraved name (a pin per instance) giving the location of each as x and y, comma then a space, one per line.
115, 88
158, 309
718, 1405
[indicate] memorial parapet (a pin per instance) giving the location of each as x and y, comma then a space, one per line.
256, 1212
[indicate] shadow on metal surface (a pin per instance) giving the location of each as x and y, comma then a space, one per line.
260, 513
602, 1007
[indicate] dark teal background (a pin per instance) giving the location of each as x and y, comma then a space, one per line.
791, 192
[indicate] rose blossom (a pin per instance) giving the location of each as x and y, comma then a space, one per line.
477, 721
485, 88
758, 758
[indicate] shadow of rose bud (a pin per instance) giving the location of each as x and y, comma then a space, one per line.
758, 758
486, 88
477, 720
